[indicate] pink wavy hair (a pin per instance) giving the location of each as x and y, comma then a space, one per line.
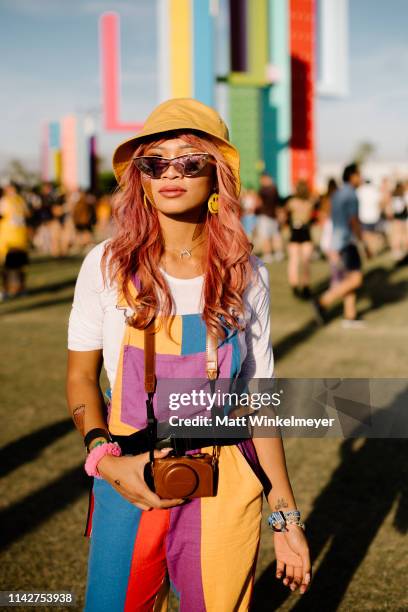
137, 246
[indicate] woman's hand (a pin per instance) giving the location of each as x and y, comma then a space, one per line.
292, 554
126, 475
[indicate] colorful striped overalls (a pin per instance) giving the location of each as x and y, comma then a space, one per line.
205, 550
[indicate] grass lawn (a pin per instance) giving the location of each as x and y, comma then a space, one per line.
353, 493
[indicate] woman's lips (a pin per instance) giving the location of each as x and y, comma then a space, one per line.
175, 192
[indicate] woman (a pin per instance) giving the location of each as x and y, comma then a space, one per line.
14, 242
173, 246
399, 228
249, 201
267, 229
300, 248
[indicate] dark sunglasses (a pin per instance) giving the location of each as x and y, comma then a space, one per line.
188, 165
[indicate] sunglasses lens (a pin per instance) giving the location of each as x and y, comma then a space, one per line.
193, 164
152, 166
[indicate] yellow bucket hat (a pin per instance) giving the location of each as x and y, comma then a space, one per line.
180, 114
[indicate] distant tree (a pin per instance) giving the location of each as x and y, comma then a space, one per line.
18, 173
107, 182
364, 151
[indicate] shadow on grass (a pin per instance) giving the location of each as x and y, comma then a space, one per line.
380, 290
51, 287
20, 307
28, 447
346, 517
47, 259
26, 515
377, 287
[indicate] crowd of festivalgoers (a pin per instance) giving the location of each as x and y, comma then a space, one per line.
349, 218
47, 221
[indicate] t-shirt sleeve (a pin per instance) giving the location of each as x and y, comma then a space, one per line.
259, 362
353, 206
85, 328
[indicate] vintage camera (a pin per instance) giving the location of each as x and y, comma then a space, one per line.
187, 476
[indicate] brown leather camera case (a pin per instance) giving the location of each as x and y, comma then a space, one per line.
190, 475
187, 476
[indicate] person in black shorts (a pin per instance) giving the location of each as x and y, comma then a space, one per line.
300, 248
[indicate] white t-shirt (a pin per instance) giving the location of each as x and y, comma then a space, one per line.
368, 203
96, 323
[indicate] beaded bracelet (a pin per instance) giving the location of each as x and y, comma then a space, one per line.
96, 454
292, 517
92, 446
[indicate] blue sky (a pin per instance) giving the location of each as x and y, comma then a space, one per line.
377, 107
49, 67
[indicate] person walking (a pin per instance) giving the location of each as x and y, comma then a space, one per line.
250, 202
369, 212
14, 242
176, 285
300, 248
399, 217
267, 227
84, 218
344, 252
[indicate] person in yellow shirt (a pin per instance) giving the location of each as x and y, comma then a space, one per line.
14, 241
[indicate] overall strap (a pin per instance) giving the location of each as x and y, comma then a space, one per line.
212, 374
212, 358
150, 384
149, 359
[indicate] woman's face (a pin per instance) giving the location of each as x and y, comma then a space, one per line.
174, 193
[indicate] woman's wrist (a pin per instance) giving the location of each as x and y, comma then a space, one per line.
280, 521
106, 464
96, 442
96, 455
94, 434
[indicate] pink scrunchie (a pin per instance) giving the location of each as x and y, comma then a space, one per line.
96, 454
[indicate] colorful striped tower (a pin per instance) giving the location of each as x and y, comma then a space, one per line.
78, 153
254, 60
248, 45
109, 38
70, 178
186, 50
302, 48
55, 151
278, 131
333, 44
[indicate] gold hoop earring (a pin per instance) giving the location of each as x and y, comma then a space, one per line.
212, 203
145, 201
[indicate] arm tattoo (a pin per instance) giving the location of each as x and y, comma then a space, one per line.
281, 503
78, 416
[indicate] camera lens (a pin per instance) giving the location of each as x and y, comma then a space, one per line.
181, 480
